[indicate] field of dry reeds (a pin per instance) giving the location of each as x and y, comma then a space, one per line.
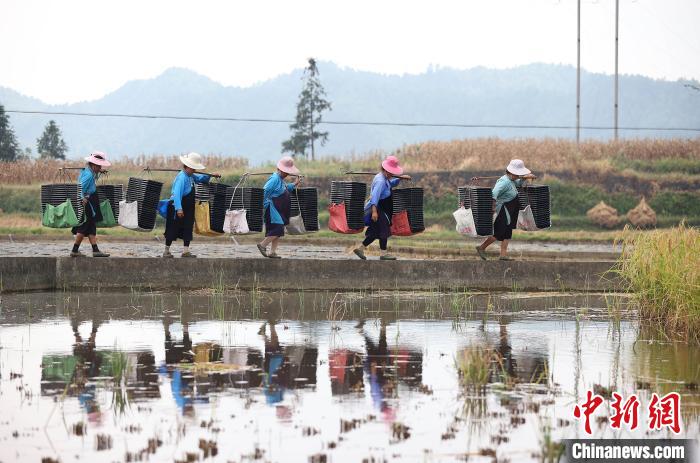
480, 154
552, 154
44, 171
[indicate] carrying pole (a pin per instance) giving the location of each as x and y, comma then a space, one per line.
79, 168
402, 177
153, 169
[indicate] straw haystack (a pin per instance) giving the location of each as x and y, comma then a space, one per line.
642, 216
603, 215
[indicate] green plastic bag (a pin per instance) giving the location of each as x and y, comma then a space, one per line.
108, 219
61, 216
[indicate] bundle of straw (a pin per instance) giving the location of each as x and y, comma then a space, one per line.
603, 215
642, 216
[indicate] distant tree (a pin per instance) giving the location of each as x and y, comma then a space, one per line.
51, 145
312, 103
9, 150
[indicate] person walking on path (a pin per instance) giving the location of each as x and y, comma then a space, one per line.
91, 204
507, 206
379, 210
277, 204
180, 219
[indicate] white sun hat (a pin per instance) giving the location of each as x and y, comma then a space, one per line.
192, 160
517, 167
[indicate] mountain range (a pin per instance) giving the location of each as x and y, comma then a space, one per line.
535, 94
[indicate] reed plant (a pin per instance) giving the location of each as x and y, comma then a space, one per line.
474, 366
661, 269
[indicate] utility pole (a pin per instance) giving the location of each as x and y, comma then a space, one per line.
578, 74
617, 23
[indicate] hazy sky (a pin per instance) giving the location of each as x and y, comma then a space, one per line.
72, 50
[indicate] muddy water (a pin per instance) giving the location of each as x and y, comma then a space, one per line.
217, 376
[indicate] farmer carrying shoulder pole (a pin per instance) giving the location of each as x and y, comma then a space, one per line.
277, 204
91, 204
379, 209
180, 219
507, 207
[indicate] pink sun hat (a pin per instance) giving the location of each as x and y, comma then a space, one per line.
99, 158
286, 165
391, 165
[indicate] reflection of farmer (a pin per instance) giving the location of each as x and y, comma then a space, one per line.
505, 351
378, 367
87, 366
529, 366
273, 366
286, 367
180, 381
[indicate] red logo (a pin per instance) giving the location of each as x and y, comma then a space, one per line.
664, 412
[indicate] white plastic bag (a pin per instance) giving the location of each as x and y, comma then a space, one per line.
296, 225
129, 215
465, 222
236, 222
526, 221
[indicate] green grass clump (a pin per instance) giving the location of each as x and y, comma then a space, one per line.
474, 366
662, 271
666, 165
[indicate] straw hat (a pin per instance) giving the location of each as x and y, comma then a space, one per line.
286, 165
517, 167
193, 161
391, 165
99, 158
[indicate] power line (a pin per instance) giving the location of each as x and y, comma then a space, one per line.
368, 123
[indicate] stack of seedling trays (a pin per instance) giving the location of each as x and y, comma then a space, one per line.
307, 206
522, 198
539, 201
463, 196
57, 194
480, 200
112, 193
411, 201
250, 199
215, 195
353, 195
147, 194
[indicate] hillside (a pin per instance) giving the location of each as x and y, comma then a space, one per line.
534, 94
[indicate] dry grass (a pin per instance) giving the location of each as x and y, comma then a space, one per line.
662, 270
42, 171
469, 154
549, 154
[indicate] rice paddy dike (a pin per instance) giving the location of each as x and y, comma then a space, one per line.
233, 375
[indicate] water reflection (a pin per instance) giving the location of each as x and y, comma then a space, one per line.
281, 380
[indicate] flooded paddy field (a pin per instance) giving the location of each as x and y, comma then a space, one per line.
322, 376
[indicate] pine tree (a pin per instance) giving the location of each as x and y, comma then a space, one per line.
8, 142
312, 103
51, 145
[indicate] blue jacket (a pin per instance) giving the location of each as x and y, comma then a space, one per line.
87, 181
274, 187
380, 189
504, 191
182, 186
